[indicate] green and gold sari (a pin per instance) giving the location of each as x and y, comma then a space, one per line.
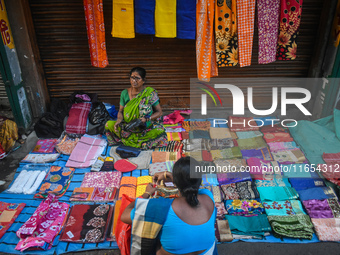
153, 136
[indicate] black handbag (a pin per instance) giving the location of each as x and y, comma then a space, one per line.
134, 126
127, 151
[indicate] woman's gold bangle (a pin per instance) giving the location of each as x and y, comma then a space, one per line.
165, 175
147, 192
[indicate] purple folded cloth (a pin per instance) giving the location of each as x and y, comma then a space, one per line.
327, 208
257, 153
233, 177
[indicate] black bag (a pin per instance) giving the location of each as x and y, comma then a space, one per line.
98, 114
135, 125
127, 151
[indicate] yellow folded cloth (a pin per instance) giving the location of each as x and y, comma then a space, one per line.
142, 182
165, 18
123, 23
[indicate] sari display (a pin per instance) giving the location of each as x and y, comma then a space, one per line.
253, 226
327, 208
295, 226
154, 133
222, 231
277, 193
283, 208
327, 229
240, 190
251, 143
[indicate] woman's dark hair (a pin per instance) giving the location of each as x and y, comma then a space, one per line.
186, 185
140, 70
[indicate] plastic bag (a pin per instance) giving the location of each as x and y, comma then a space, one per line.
98, 114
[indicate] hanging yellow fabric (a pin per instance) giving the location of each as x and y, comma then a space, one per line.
123, 23
165, 18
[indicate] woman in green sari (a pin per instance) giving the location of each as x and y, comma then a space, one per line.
138, 102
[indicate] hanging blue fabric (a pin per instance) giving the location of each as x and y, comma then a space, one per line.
186, 19
145, 17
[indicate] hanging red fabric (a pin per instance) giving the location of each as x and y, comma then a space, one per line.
96, 32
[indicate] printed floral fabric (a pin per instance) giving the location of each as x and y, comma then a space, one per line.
277, 181
95, 194
226, 33
244, 207
290, 17
56, 181
327, 208
240, 190
102, 179
66, 145
8, 214
295, 226
268, 23
327, 229
87, 223
45, 146
40, 158
40, 230
287, 207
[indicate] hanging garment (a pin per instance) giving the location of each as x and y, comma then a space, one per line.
226, 33
87, 223
165, 19
145, 17
186, 19
8, 135
245, 30
40, 230
205, 46
123, 23
290, 17
268, 24
95, 27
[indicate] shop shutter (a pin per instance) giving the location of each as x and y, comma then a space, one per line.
170, 63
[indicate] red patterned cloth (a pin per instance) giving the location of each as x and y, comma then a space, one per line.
331, 158
8, 214
290, 18
77, 120
330, 172
96, 32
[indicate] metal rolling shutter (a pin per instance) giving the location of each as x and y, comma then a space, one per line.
170, 63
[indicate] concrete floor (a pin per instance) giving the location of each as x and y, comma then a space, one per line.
11, 163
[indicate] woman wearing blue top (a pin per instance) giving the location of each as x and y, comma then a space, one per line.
187, 223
